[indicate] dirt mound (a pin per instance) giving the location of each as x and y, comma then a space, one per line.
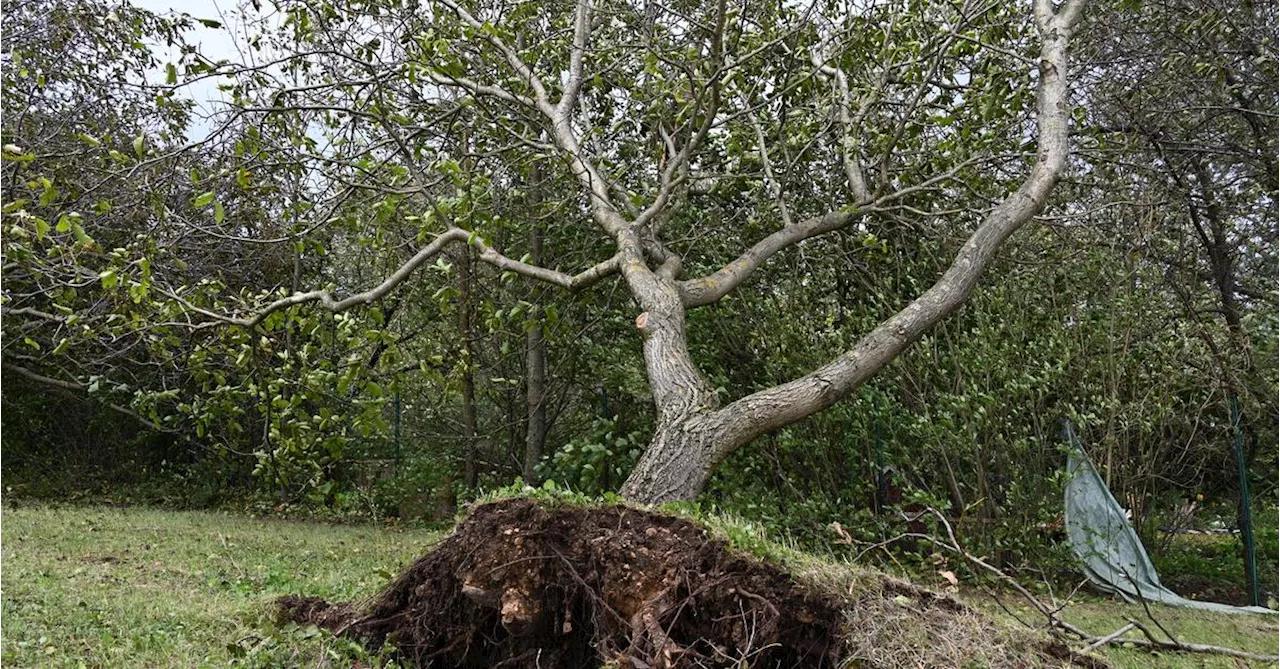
521, 585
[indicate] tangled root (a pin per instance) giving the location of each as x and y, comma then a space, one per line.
519, 584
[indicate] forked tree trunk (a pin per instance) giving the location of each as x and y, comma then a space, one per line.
679, 460
694, 434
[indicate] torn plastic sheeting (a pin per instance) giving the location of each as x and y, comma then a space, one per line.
1109, 551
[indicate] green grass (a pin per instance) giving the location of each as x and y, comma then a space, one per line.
110, 587
1211, 567
1252, 633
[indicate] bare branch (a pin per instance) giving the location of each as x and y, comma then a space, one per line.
709, 289
402, 273
483, 89
513, 59
28, 311
570, 283
775, 188
849, 150
1107, 639
1057, 625
678, 165
581, 34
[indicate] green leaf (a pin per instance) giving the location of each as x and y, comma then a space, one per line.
82, 238
109, 279
49, 193
171, 74
203, 200
140, 146
218, 213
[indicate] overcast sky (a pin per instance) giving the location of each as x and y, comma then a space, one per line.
213, 43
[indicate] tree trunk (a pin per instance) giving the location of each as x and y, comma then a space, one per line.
465, 330
535, 353
693, 433
535, 400
678, 461
691, 438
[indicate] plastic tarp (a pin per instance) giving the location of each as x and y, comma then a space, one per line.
1109, 551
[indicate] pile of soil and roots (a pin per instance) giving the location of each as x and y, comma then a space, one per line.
520, 584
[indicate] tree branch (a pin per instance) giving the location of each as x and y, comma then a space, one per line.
709, 289
677, 167
483, 89
28, 311
512, 58
80, 388
402, 273
849, 145
581, 33
1058, 626
782, 405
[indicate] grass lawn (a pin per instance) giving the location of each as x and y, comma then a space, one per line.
112, 587
1252, 633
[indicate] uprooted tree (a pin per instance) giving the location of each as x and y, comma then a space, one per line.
677, 147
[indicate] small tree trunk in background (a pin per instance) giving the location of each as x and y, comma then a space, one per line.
535, 353
472, 472
466, 331
535, 393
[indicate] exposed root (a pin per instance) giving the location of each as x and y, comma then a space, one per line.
522, 585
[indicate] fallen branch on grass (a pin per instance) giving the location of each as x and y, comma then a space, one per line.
1060, 627
1152, 642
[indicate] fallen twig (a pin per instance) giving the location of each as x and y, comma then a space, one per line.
1107, 639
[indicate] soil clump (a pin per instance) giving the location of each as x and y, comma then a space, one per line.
520, 584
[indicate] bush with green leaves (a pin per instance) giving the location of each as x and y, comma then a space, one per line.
597, 461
